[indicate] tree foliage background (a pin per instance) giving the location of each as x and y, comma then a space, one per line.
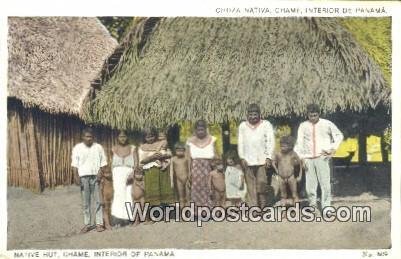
117, 26
374, 35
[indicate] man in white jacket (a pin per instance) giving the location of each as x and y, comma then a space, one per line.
255, 149
317, 140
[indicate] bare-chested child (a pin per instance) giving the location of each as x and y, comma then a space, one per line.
286, 163
217, 184
138, 190
179, 173
106, 194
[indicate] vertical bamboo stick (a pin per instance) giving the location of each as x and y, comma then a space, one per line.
24, 154
63, 153
60, 159
18, 143
12, 148
50, 151
33, 155
17, 148
48, 157
45, 158
44, 150
53, 152
38, 137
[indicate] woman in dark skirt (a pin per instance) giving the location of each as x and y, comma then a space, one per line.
202, 150
153, 153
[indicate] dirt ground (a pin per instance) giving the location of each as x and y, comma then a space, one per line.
52, 220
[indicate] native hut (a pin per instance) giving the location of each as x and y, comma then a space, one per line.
52, 63
183, 69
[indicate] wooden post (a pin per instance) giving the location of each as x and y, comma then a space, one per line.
362, 154
173, 135
225, 131
293, 123
332, 177
383, 149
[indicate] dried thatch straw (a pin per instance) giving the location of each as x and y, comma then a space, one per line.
188, 68
52, 60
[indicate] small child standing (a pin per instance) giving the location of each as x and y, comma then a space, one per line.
286, 163
138, 190
217, 184
234, 180
179, 173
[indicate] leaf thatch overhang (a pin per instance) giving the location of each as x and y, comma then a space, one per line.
53, 61
175, 69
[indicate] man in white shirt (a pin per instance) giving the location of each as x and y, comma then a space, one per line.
255, 149
318, 139
87, 160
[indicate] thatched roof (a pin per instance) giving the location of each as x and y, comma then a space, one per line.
52, 60
212, 68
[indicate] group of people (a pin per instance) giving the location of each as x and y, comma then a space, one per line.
194, 172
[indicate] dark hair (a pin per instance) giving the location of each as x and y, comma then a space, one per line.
150, 130
122, 131
312, 108
179, 145
88, 130
289, 140
200, 123
253, 107
216, 162
162, 130
232, 154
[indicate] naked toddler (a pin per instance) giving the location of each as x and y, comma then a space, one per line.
179, 172
217, 184
286, 163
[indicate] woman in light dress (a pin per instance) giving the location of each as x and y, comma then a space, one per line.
234, 179
124, 161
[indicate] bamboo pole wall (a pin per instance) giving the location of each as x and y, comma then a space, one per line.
40, 146
22, 150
